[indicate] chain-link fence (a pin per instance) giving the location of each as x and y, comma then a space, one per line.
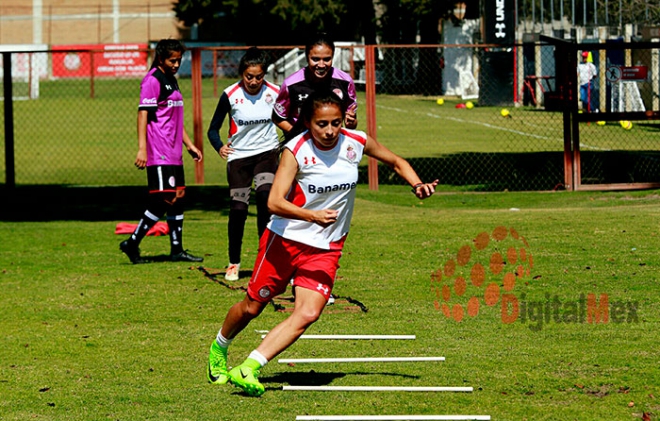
477, 117
452, 112
616, 116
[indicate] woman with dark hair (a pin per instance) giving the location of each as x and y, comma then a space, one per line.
251, 149
161, 137
319, 74
312, 201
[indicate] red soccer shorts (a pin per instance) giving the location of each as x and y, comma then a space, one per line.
279, 260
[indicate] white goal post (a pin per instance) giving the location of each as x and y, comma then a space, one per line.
29, 64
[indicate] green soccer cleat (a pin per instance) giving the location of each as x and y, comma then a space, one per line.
246, 378
217, 369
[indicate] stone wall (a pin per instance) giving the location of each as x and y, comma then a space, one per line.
63, 22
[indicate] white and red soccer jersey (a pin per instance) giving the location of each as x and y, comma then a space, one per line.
251, 129
160, 95
326, 179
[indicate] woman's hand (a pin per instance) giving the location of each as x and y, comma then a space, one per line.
225, 150
141, 159
424, 190
325, 217
350, 119
195, 153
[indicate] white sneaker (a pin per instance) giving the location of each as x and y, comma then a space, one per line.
232, 272
331, 300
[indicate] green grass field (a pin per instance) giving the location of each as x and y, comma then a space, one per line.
88, 336
70, 137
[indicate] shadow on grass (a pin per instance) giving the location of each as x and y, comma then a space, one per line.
309, 378
315, 378
162, 258
53, 202
219, 278
469, 171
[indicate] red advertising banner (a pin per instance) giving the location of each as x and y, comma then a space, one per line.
110, 60
634, 73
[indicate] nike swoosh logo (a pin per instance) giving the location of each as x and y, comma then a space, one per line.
243, 374
211, 376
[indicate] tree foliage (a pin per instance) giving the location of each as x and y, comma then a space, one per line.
288, 22
602, 12
284, 22
277, 22
191, 12
633, 11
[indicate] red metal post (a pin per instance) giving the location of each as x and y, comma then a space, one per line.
568, 152
215, 73
198, 134
30, 93
515, 75
91, 74
370, 93
577, 163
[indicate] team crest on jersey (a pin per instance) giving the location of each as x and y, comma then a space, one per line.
172, 181
280, 108
338, 92
264, 292
269, 99
350, 154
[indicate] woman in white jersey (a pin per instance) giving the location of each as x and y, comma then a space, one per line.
312, 203
251, 151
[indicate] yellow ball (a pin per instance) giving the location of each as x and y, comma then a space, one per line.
626, 124
600, 123
469, 105
504, 112
440, 101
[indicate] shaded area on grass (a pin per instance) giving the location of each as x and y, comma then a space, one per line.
279, 303
313, 377
54, 202
543, 171
470, 171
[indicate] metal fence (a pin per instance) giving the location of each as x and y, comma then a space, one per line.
477, 117
611, 125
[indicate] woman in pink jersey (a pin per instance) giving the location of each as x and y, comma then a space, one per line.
312, 200
161, 138
319, 74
